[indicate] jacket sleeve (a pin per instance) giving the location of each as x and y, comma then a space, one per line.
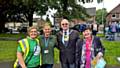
99, 46
78, 53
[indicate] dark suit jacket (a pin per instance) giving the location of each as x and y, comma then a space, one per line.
67, 53
97, 48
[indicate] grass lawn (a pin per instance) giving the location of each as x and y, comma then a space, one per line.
21, 35
112, 51
8, 51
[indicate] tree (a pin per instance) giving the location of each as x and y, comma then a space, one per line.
69, 8
101, 16
29, 7
4, 10
14, 10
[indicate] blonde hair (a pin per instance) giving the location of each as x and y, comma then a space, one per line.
46, 24
32, 27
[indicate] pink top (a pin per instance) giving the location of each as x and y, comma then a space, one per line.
88, 51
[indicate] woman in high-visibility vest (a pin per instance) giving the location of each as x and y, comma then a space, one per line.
28, 51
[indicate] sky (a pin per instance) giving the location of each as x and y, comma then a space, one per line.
108, 4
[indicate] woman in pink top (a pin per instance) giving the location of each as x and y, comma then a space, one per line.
87, 49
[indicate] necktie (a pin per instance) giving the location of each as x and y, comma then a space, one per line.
65, 39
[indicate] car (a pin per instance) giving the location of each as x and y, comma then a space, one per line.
15, 31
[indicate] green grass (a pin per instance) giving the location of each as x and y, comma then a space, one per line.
21, 35
112, 51
100, 35
7, 50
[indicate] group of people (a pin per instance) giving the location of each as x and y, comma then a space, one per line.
37, 51
112, 30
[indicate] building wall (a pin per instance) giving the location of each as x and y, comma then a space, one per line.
114, 15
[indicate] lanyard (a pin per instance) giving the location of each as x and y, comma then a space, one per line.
46, 42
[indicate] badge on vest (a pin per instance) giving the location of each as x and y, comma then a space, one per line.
37, 52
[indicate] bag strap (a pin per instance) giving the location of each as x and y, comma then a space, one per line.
31, 56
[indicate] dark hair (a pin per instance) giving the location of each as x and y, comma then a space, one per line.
65, 17
87, 28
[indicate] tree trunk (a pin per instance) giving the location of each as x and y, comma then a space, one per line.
2, 26
2, 23
30, 19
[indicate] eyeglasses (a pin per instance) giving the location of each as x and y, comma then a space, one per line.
33, 31
65, 24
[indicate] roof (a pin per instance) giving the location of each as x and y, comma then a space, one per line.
115, 10
91, 11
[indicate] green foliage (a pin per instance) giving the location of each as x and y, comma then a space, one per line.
101, 16
68, 8
89, 1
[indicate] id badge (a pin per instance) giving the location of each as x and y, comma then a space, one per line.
46, 51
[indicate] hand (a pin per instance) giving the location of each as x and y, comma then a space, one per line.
99, 55
24, 66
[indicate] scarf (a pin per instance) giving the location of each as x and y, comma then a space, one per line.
87, 54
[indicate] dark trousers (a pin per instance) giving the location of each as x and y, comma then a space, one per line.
47, 66
68, 65
94, 32
35, 67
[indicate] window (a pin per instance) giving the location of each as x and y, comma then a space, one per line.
117, 15
113, 15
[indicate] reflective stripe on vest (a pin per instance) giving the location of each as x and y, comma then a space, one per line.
25, 49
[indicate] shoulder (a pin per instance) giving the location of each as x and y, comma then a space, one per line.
40, 36
53, 36
96, 38
58, 33
22, 39
74, 31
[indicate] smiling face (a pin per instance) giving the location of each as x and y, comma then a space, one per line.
87, 33
33, 33
64, 24
47, 30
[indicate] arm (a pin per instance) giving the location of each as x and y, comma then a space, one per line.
78, 53
100, 49
20, 56
21, 60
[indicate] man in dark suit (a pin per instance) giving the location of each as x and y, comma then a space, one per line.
67, 39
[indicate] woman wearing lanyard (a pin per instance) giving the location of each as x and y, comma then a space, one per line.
47, 47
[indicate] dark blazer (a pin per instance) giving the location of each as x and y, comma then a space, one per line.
97, 48
67, 53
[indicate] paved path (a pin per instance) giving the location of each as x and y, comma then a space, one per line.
6, 65
10, 65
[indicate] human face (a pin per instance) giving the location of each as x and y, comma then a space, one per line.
33, 33
47, 31
87, 33
64, 24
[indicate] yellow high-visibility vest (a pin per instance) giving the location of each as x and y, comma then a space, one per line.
24, 44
